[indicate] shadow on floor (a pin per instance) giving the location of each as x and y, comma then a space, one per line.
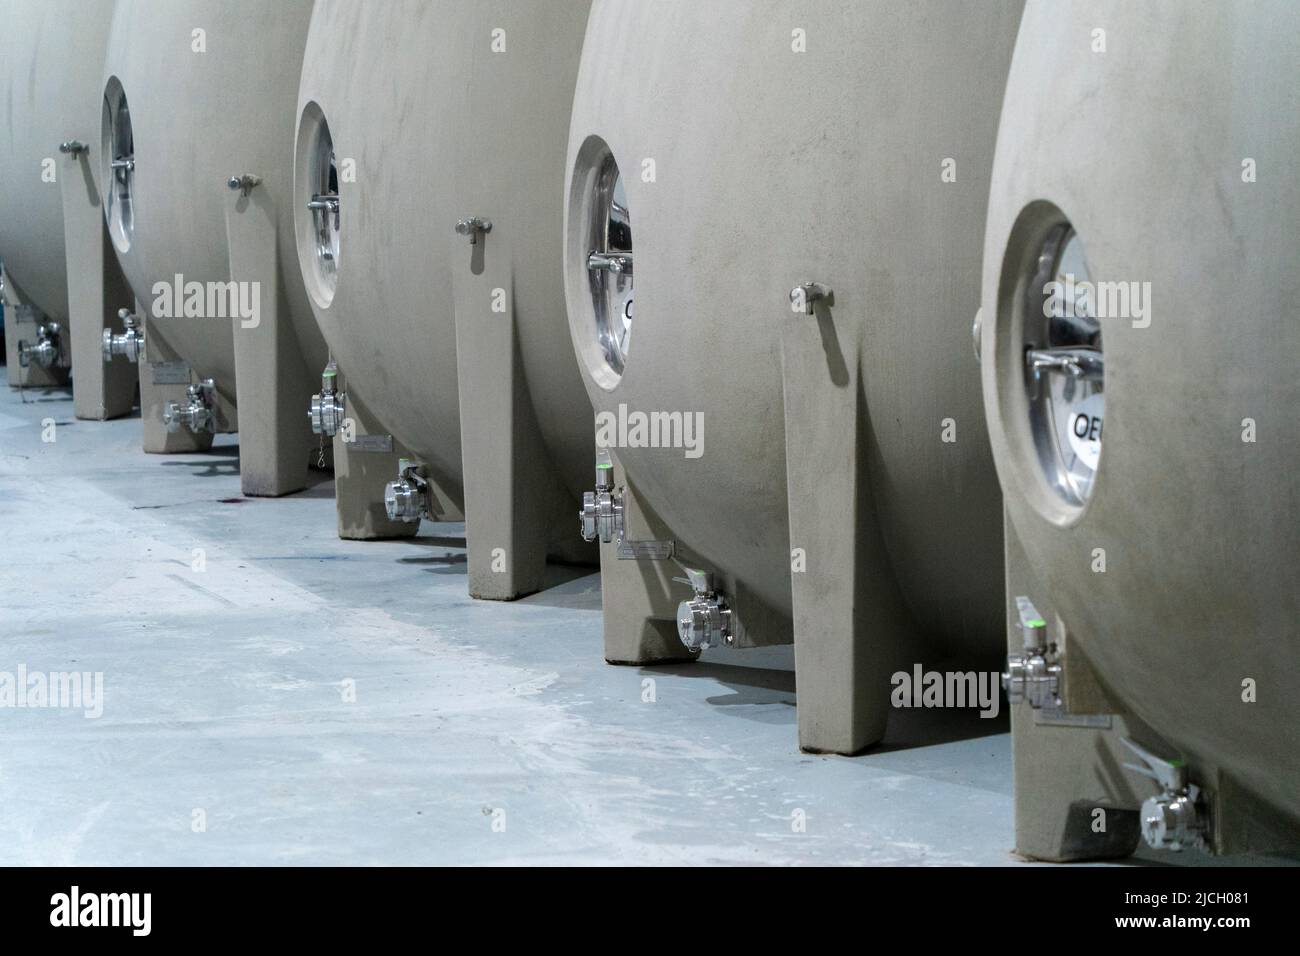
206, 467
909, 729
764, 676
568, 586
320, 484
32, 395
760, 677
449, 562
437, 541
441, 563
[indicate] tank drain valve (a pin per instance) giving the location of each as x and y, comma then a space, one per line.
602, 510
45, 351
407, 498
473, 227
129, 343
327, 407
804, 298
1035, 675
1174, 819
74, 147
198, 414
704, 620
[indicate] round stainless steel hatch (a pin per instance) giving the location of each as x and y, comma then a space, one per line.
323, 201
1064, 367
609, 264
119, 172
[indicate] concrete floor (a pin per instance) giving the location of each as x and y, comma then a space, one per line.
479, 733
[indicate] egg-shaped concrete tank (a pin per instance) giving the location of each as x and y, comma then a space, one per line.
197, 93
435, 274
832, 158
1139, 270
51, 56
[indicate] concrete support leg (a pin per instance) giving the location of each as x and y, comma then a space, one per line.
512, 496
849, 620
1073, 799
22, 323
638, 597
363, 465
96, 291
164, 377
272, 382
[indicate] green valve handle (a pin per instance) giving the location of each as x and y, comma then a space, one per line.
1033, 629
604, 470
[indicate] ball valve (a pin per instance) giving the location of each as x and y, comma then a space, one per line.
1175, 818
198, 414
327, 406
129, 343
407, 498
704, 620
45, 352
602, 510
1034, 676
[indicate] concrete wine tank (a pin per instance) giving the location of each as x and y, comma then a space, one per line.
1151, 573
428, 196
51, 56
197, 132
797, 196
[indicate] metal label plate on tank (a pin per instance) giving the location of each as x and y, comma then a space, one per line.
646, 550
1057, 718
378, 444
170, 373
